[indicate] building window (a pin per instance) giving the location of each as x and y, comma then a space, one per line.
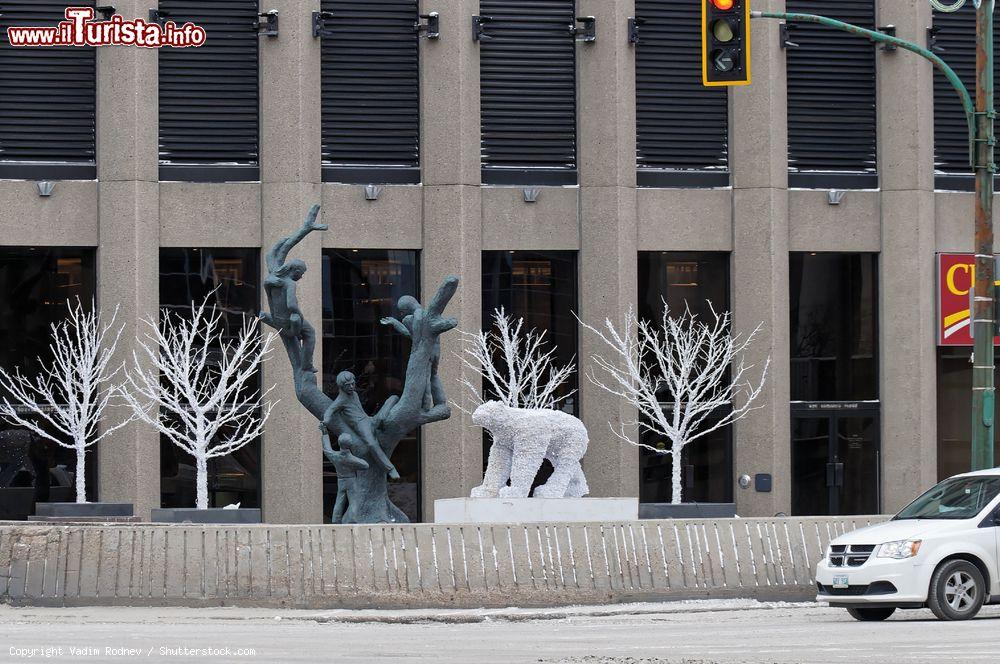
48, 99
831, 98
541, 288
527, 73
834, 315
360, 287
835, 442
371, 92
956, 37
209, 95
681, 125
954, 408
36, 283
230, 278
697, 281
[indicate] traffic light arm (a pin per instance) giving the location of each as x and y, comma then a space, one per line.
883, 38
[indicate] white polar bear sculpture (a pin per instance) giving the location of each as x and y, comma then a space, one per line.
522, 438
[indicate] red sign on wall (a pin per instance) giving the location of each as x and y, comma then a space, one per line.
956, 274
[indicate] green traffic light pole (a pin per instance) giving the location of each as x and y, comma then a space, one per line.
980, 116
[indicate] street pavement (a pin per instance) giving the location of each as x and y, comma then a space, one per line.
706, 632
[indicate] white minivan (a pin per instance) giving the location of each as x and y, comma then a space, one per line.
939, 552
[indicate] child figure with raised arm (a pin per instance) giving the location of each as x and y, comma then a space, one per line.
407, 305
279, 286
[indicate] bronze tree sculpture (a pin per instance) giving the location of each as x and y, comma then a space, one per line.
364, 442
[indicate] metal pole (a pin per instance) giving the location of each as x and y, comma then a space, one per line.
881, 38
981, 139
984, 325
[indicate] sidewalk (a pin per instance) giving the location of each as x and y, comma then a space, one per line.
697, 632
395, 617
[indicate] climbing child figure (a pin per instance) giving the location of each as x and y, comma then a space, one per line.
347, 415
347, 462
280, 288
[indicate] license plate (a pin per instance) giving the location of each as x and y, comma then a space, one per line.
840, 581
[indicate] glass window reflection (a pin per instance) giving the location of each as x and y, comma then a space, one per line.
833, 326
360, 287
36, 282
541, 287
697, 281
230, 279
954, 403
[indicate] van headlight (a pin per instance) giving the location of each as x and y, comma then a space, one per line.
900, 549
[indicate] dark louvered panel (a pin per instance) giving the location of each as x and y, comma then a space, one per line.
528, 91
831, 91
209, 94
47, 99
681, 125
370, 93
956, 34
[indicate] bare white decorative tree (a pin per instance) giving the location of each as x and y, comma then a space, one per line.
517, 368
701, 366
71, 393
196, 387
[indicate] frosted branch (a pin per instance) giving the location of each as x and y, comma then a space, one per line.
517, 366
73, 390
197, 388
701, 364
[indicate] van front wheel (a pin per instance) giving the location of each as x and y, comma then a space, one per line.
957, 591
871, 615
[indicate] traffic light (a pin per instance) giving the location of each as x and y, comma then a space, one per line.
725, 42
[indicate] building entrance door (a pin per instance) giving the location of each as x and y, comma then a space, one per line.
835, 459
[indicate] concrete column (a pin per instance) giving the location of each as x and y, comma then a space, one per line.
128, 247
451, 451
608, 227
907, 346
290, 184
449, 97
758, 147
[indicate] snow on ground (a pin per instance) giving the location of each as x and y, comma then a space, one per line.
694, 632
402, 616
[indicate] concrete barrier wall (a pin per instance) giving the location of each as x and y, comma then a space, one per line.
421, 565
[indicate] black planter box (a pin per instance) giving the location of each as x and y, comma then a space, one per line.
211, 515
86, 510
687, 511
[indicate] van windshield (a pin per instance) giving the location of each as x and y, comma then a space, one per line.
955, 498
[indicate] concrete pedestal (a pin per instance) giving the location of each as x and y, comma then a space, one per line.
210, 515
687, 511
530, 510
89, 510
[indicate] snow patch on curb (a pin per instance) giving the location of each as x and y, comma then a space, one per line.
518, 614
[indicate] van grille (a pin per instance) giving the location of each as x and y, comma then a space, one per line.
854, 555
877, 588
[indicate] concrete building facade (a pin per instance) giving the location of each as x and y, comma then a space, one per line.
128, 214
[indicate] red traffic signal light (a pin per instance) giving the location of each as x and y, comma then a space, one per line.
725, 42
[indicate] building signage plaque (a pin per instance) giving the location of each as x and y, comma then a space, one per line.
955, 274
